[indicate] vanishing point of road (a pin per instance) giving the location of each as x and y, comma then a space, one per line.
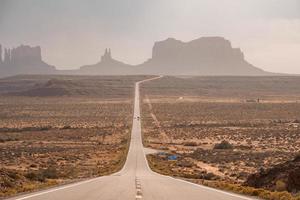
135, 180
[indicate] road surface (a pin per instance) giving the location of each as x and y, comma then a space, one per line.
134, 181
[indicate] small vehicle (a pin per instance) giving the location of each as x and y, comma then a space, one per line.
138, 118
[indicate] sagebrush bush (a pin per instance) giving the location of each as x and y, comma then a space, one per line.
223, 145
280, 186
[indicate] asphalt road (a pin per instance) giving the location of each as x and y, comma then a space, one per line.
134, 181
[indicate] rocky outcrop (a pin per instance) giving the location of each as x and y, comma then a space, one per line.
287, 174
23, 60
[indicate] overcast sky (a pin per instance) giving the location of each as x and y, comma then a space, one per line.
76, 32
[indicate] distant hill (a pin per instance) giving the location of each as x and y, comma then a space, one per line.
204, 56
23, 60
70, 86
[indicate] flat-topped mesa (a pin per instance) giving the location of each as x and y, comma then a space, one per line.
205, 49
203, 56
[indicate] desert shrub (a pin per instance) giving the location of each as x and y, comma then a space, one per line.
296, 121
280, 196
264, 194
280, 186
43, 174
28, 187
191, 144
50, 172
33, 165
9, 139
45, 128
66, 127
223, 145
70, 172
209, 176
35, 176
297, 197
13, 175
184, 163
6, 183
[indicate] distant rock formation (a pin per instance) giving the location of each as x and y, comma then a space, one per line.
107, 66
23, 60
107, 56
203, 56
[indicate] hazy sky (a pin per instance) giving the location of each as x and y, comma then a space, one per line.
76, 32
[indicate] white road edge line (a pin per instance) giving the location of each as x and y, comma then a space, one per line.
59, 188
